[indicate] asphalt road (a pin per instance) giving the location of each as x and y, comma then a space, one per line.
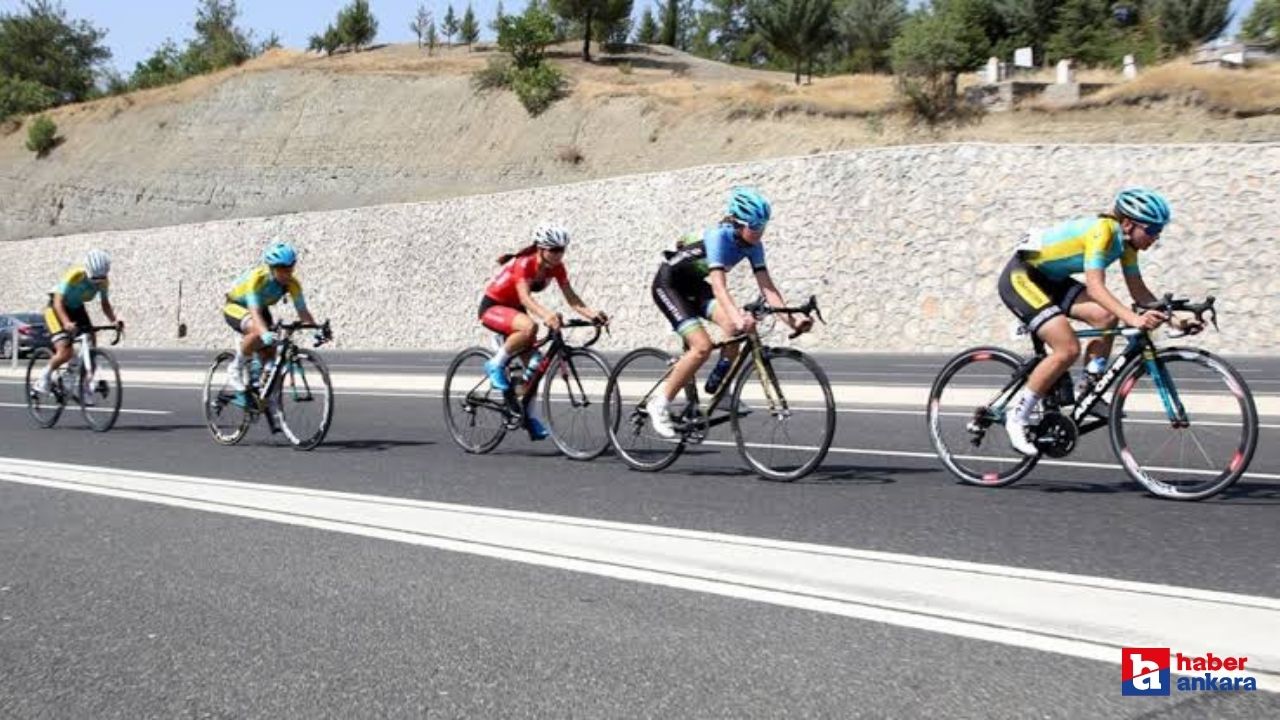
111, 607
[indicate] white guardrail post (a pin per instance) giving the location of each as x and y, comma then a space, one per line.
13, 349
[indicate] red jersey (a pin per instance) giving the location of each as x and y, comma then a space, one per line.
502, 288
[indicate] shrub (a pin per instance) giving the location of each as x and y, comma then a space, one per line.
526, 36
19, 97
496, 74
570, 155
42, 135
928, 56
537, 87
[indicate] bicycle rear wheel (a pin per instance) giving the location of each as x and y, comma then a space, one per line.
790, 417
1187, 428
105, 390
473, 409
44, 408
633, 382
572, 398
227, 421
302, 400
966, 412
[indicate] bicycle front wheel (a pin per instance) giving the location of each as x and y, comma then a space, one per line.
473, 409
44, 408
104, 390
572, 399
225, 410
966, 412
302, 400
637, 377
784, 420
1184, 426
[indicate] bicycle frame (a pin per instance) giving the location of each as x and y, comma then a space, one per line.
555, 349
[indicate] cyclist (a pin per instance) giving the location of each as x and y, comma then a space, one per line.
67, 315
508, 303
1037, 287
684, 295
248, 302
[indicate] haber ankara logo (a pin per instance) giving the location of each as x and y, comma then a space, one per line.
1144, 671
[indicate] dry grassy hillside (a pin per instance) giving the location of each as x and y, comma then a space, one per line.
291, 132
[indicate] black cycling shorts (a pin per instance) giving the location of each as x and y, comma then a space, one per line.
683, 304
1033, 297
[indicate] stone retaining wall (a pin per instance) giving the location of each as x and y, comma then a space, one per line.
901, 245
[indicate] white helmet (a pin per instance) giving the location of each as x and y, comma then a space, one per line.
97, 263
551, 236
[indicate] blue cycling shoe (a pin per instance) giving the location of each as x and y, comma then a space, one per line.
537, 431
497, 375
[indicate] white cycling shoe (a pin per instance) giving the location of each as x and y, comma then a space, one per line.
660, 419
1019, 437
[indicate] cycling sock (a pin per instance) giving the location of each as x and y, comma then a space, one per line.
1027, 402
501, 357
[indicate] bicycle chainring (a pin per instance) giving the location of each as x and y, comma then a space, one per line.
1056, 435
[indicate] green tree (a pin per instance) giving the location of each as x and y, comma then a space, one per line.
526, 36
868, 28
218, 42
450, 24
595, 17
725, 32
1087, 31
1185, 23
418, 26
797, 29
469, 28
1029, 23
357, 27
40, 45
1263, 23
164, 67
928, 56
671, 23
498, 14
647, 31
433, 37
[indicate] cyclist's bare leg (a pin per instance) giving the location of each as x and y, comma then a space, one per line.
721, 318
523, 332
62, 352
698, 349
1088, 310
1064, 348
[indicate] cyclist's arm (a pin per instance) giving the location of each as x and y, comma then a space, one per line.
575, 302
1138, 289
719, 280
305, 316
773, 295
530, 305
108, 310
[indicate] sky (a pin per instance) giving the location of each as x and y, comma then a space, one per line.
135, 28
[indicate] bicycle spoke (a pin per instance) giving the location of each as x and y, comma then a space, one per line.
764, 426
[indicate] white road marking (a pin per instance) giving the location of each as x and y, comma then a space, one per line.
123, 411
1075, 615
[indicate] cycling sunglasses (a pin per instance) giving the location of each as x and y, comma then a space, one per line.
1152, 229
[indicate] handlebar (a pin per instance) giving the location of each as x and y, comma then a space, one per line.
1169, 305
118, 329
760, 308
287, 329
577, 323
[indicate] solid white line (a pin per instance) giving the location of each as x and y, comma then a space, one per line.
1076, 615
99, 410
934, 456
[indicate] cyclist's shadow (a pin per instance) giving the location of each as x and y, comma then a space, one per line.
1242, 493
824, 475
369, 445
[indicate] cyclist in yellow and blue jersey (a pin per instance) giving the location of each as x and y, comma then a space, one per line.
248, 306
1038, 287
67, 315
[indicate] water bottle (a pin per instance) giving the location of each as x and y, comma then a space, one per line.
255, 370
1092, 373
534, 367
717, 375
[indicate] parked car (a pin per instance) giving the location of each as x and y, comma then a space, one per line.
32, 333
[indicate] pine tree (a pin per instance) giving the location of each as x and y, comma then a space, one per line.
647, 32
450, 24
420, 22
470, 29
798, 29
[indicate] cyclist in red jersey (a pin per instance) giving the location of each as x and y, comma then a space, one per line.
508, 303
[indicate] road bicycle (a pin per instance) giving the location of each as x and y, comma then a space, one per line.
479, 415
783, 435
91, 378
1182, 420
293, 392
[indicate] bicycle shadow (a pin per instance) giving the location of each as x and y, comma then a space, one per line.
826, 475
173, 427
370, 445
1242, 493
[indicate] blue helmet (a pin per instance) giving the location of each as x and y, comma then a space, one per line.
1143, 205
279, 253
749, 207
